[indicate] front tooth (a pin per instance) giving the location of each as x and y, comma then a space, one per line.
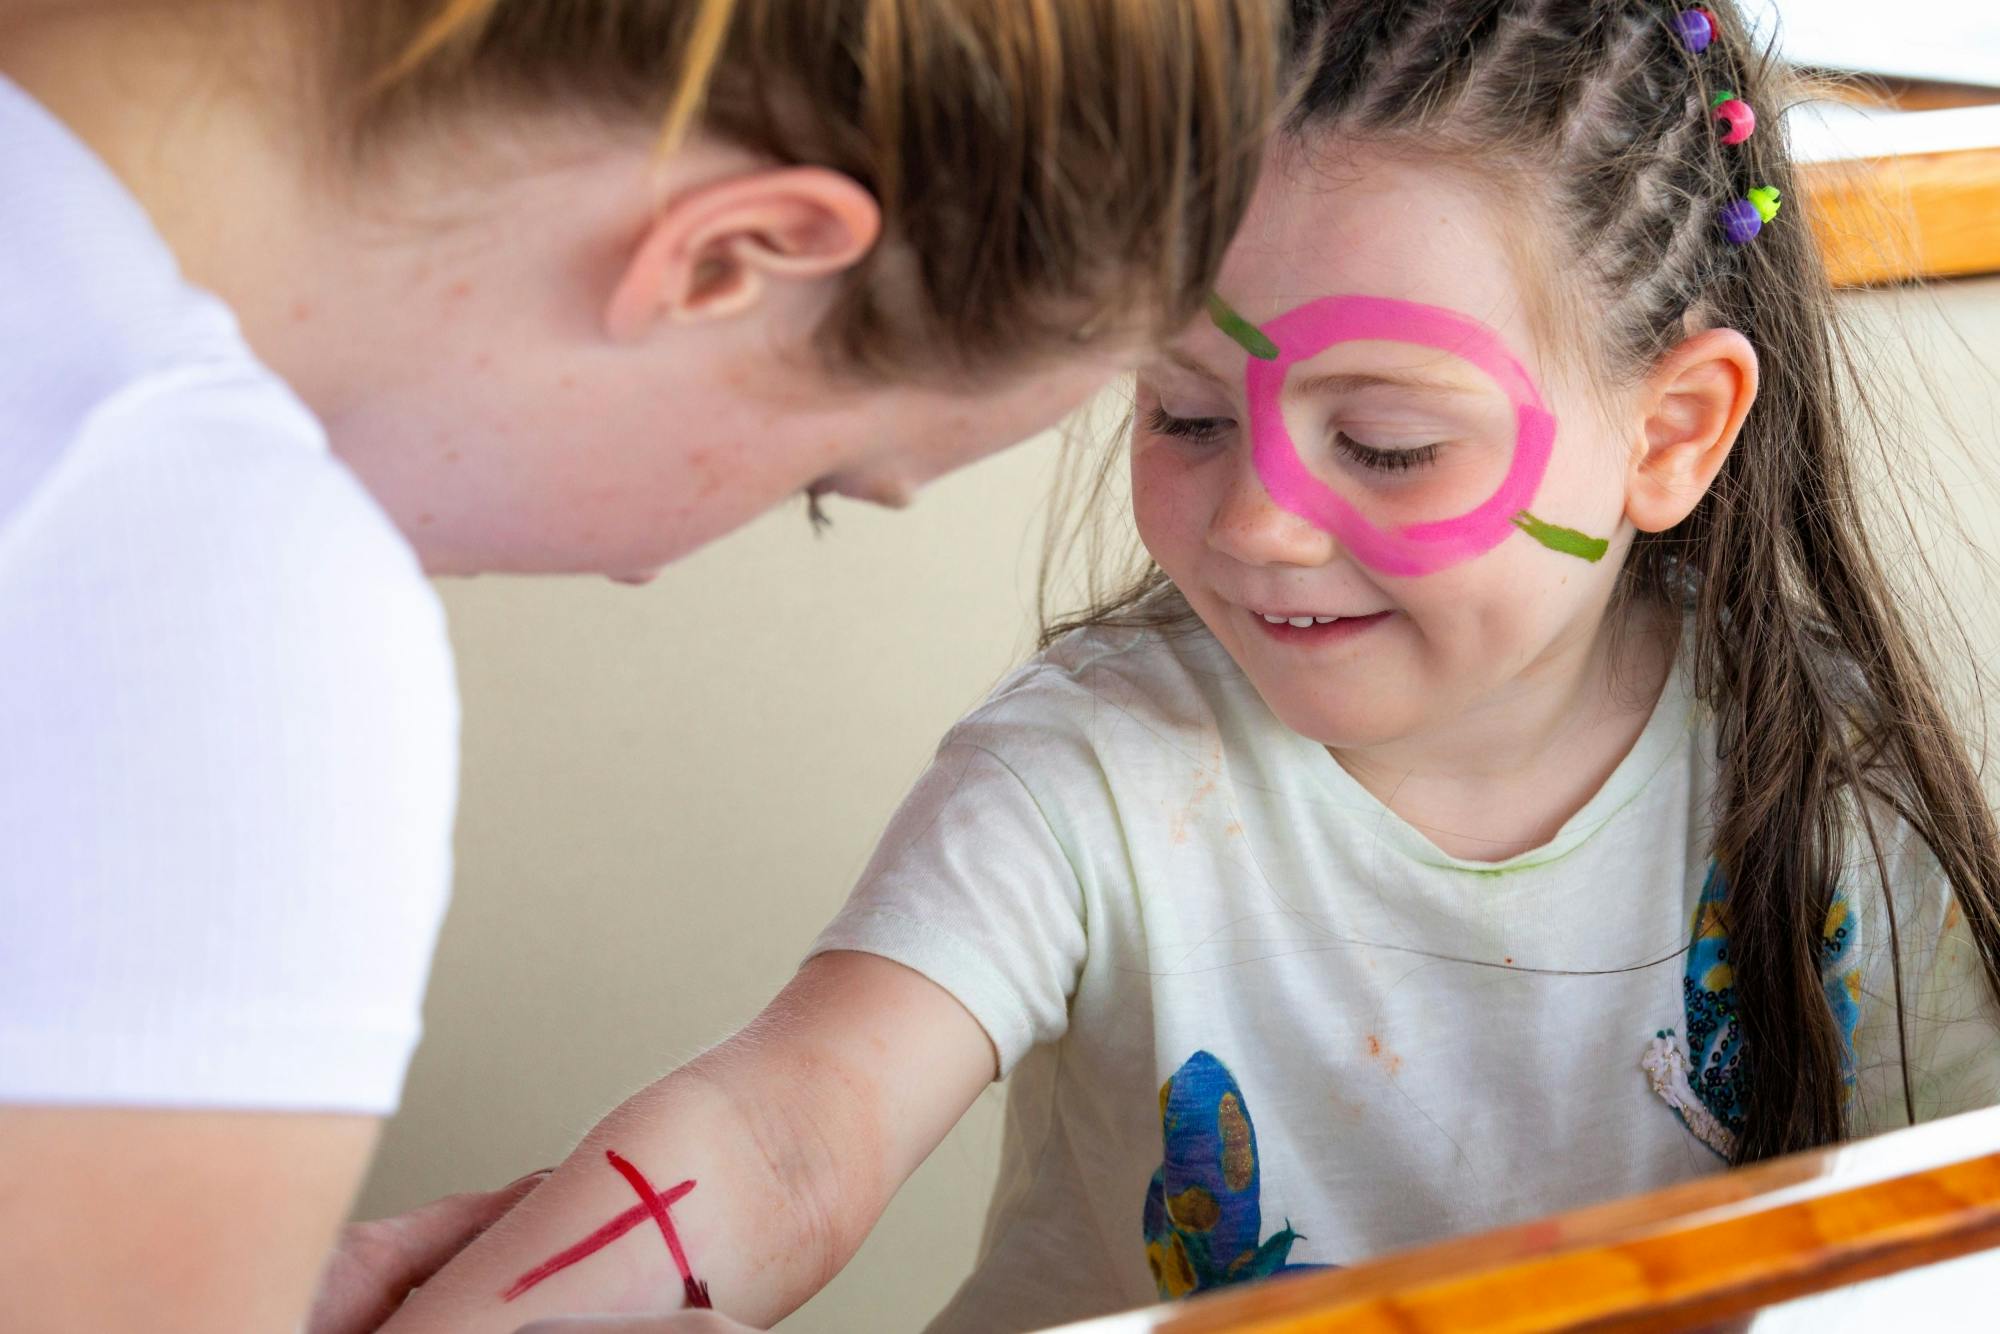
1301, 622
1274, 620
1324, 620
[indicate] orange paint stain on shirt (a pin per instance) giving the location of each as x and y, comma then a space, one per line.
1388, 1060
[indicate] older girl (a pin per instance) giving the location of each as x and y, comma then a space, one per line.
302, 300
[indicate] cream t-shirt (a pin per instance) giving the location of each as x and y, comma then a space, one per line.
1253, 1020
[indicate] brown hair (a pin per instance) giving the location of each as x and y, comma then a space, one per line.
1045, 167
1827, 711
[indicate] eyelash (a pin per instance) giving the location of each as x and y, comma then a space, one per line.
1385, 460
1185, 428
1202, 429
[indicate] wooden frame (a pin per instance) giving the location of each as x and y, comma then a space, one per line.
1882, 220
1680, 1258
1904, 214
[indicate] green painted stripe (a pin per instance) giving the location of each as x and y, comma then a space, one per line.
1252, 339
1566, 540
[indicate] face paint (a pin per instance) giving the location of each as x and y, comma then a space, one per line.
1246, 335
1415, 548
1566, 540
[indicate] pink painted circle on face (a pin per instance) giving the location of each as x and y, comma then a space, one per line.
1420, 548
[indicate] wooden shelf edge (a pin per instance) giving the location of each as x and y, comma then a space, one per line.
1889, 220
1701, 1251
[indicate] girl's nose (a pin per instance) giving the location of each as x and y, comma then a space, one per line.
1250, 527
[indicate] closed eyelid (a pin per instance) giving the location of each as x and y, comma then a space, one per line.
1186, 402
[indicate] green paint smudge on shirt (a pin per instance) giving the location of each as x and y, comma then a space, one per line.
1247, 335
1566, 540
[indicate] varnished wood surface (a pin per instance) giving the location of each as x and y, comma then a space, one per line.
1679, 1258
1931, 215
1903, 211
1902, 94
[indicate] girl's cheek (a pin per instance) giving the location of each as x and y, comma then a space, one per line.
1165, 495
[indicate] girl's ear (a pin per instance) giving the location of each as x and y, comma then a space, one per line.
711, 251
1694, 403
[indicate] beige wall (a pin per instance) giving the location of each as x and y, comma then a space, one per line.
668, 790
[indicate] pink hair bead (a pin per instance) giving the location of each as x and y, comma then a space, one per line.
1737, 115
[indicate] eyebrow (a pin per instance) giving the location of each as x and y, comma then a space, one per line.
1341, 382
1193, 367
1349, 382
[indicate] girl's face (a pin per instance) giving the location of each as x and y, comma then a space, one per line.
472, 371
1407, 417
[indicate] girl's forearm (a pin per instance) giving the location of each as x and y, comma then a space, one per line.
745, 1179
741, 1182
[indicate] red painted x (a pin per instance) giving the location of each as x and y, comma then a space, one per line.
652, 1204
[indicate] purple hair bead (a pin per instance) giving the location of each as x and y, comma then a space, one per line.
1741, 222
1695, 28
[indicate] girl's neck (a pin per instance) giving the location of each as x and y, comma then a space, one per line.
1505, 777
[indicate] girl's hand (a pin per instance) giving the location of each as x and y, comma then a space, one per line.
683, 1322
377, 1263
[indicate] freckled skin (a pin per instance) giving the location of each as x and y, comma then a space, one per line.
494, 394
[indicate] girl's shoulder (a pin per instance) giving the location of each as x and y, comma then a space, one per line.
1104, 686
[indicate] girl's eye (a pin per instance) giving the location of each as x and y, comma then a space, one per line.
1385, 460
1186, 428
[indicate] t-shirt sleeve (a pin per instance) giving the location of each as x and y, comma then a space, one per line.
1950, 1016
229, 772
971, 888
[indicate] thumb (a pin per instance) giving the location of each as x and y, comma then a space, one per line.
377, 1262
431, 1234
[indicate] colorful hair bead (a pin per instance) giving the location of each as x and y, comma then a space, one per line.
1743, 218
1736, 115
1696, 28
1741, 222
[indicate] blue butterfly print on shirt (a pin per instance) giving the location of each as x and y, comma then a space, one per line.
1202, 1220
1710, 1085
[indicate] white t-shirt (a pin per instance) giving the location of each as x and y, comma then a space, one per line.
228, 724
1255, 1020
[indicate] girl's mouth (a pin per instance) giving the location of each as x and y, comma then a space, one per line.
1307, 630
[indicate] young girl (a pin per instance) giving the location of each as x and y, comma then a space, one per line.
1511, 786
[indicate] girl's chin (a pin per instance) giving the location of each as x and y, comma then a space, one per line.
1347, 728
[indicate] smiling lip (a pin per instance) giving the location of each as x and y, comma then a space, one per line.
1322, 630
